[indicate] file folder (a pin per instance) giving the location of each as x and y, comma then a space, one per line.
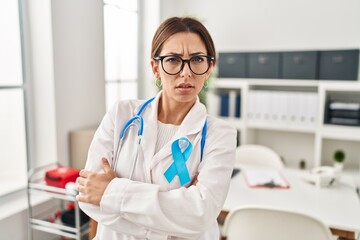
265, 179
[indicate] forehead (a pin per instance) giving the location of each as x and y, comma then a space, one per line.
184, 43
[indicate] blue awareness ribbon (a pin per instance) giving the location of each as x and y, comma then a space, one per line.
178, 167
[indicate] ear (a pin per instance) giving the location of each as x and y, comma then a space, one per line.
207, 74
155, 68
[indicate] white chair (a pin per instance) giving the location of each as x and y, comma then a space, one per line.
255, 223
259, 156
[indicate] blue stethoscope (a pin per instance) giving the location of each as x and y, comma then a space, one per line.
179, 152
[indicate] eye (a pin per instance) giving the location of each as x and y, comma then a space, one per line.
173, 60
198, 59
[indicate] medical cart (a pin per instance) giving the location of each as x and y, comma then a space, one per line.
45, 222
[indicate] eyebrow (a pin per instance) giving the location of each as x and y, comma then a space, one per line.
179, 55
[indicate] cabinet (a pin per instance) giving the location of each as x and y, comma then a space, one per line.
294, 137
42, 221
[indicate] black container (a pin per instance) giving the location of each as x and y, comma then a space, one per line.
299, 65
339, 65
264, 65
232, 65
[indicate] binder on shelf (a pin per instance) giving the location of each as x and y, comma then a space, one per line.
312, 108
345, 121
345, 113
213, 103
282, 107
224, 104
264, 104
344, 106
255, 106
341, 112
280, 114
251, 106
230, 103
303, 108
232, 100
238, 106
274, 107
292, 107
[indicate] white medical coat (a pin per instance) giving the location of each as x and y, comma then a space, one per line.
148, 206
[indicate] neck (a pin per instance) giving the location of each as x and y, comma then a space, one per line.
173, 112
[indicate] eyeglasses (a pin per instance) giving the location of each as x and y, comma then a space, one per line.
173, 64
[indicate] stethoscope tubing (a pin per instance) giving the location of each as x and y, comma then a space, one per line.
128, 124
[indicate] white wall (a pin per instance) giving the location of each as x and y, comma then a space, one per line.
149, 19
247, 25
78, 48
64, 63
40, 73
67, 73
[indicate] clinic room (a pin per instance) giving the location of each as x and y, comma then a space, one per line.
203, 119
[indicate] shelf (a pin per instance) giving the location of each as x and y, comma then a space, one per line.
340, 132
341, 86
37, 186
54, 192
297, 131
59, 229
228, 83
235, 122
236, 82
287, 128
328, 84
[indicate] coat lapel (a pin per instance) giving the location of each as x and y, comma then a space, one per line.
192, 124
148, 140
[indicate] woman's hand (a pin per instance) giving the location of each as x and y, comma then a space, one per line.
194, 181
92, 185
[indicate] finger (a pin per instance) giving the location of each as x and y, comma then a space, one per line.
81, 189
105, 165
80, 181
195, 180
83, 173
81, 198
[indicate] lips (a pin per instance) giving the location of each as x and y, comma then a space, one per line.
184, 86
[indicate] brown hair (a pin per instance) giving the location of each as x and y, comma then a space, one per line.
175, 25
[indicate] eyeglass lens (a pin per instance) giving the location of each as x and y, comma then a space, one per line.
173, 64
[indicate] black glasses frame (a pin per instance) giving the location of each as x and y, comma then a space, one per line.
161, 58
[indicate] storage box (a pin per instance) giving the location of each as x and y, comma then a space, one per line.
299, 65
264, 65
60, 176
339, 65
232, 65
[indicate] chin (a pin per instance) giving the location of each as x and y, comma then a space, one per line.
186, 98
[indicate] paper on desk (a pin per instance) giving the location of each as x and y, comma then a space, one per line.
265, 178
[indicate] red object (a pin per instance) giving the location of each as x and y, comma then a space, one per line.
60, 176
55, 216
70, 206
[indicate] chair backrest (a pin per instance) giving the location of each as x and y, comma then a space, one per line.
258, 155
259, 223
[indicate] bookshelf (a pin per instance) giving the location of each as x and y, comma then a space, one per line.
302, 133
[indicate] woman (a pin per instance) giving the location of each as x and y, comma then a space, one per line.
172, 184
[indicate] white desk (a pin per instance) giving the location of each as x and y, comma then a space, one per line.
337, 206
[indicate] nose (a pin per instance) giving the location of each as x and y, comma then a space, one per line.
186, 70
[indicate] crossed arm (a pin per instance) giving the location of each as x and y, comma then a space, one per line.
92, 185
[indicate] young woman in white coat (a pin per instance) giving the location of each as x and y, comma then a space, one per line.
168, 176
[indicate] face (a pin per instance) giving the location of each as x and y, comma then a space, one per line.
184, 86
